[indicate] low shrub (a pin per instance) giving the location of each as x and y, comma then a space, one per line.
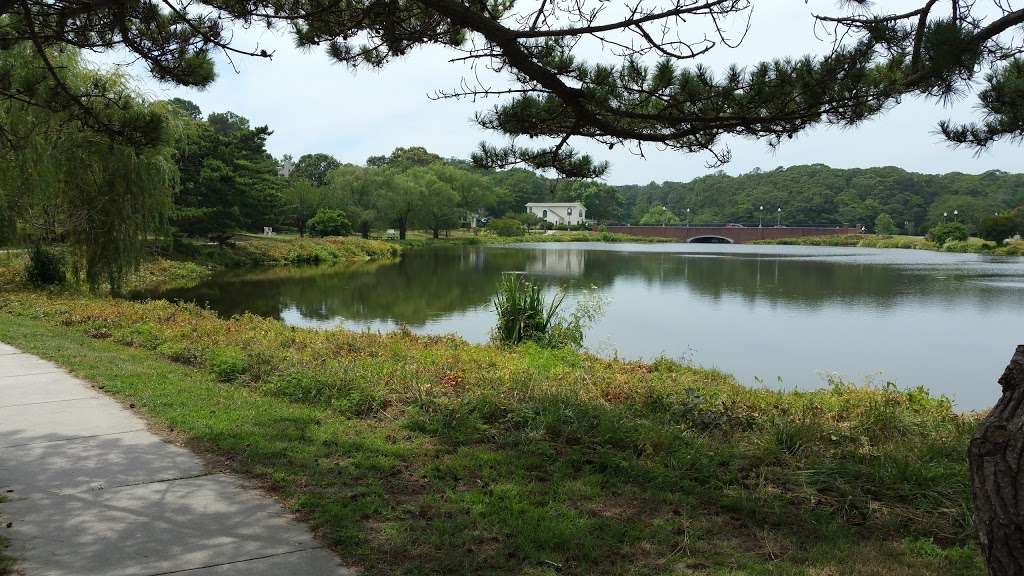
227, 364
45, 267
329, 222
506, 227
942, 233
998, 228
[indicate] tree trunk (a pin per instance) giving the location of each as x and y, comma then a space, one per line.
401, 229
996, 456
437, 233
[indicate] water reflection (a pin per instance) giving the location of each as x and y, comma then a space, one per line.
764, 313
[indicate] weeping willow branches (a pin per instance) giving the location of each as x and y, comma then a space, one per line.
63, 179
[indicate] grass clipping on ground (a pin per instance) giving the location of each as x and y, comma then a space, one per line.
428, 455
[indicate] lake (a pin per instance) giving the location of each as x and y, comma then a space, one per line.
776, 316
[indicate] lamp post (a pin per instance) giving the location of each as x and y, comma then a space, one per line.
760, 217
956, 213
778, 219
687, 217
944, 214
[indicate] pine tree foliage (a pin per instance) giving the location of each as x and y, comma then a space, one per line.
229, 182
649, 87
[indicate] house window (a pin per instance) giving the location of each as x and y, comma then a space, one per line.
545, 214
570, 211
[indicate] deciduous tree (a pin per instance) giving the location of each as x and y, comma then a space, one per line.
314, 168
659, 216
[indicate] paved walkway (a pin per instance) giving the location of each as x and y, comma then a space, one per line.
92, 492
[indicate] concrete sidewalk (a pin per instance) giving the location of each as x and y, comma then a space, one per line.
92, 492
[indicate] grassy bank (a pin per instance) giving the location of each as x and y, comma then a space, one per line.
189, 262
971, 245
428, 455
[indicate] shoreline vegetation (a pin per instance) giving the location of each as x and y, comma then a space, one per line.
188, 262
425, 454
970, 246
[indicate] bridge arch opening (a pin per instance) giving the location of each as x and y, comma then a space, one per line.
710, 240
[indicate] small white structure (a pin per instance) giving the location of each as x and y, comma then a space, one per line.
558, 213
285, 168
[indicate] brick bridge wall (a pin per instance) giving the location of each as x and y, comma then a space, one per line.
736, 235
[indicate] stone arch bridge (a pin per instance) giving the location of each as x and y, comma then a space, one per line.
730, 234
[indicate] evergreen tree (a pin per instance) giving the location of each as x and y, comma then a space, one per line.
229, 181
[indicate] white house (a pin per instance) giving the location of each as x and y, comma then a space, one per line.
558, 213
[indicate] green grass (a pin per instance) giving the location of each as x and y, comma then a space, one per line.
428, 455
971, 245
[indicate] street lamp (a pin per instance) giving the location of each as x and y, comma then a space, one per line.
944, 214
760, 217
955, 214
687, 217
778, 220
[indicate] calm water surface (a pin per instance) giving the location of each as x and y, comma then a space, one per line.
779, 316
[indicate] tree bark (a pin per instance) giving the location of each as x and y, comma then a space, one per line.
996, 456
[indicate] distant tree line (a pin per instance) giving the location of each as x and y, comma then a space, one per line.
229, 183
809, 195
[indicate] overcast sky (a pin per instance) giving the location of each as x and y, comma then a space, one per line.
314, 105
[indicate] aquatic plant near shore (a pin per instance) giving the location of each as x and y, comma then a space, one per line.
523, 315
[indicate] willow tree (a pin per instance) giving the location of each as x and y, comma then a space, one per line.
353, 189
65, 180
